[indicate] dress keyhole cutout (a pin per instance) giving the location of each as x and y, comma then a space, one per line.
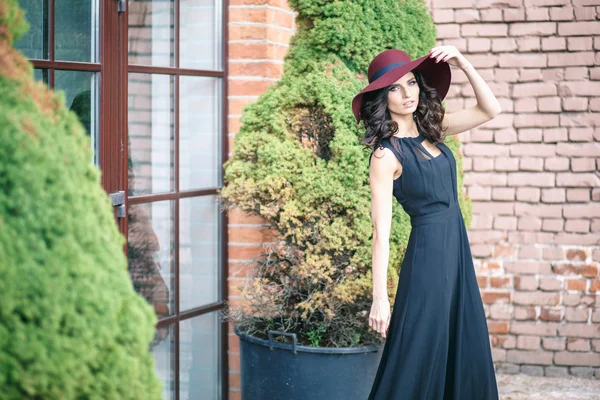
428, 151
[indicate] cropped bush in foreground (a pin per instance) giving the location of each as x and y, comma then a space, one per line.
71, 324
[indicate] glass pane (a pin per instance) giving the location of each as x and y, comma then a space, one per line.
82, 97
151, 32
199, 251
201, 34
76, 30
40, 74
163, 350
150, 253
200, 358
200, 132
151, 143
34, 44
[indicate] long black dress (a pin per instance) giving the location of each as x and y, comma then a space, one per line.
437, 345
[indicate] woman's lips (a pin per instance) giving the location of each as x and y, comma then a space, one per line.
408, 104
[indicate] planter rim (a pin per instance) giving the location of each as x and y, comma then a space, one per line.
307, 349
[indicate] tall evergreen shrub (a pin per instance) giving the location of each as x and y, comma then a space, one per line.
297, 162
71, 324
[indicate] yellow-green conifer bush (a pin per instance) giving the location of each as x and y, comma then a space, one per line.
298, 162
71, 325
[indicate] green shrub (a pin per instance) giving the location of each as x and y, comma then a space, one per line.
71, 325
297, 162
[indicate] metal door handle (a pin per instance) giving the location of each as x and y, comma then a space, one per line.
118, 200
122, 6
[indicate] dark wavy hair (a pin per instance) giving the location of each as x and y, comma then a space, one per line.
379, 125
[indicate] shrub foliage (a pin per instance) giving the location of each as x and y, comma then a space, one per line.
298, 163
71, 324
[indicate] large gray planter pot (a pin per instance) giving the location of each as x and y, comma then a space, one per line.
279, 371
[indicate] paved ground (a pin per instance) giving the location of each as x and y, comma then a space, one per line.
525, 387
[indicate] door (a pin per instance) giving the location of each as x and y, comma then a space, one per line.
147, 80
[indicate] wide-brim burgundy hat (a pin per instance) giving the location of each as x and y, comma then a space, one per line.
390, 65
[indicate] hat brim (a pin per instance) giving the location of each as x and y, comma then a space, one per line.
437, 75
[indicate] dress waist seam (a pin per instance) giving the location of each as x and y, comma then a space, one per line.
434, 217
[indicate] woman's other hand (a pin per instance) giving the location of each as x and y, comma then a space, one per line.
449, 54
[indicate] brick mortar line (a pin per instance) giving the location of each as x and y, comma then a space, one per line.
543, 259
509, 22
505, 274
245, 244
264, 7
257, 41
243, 97
580, 203
247, 225
236, 298
252, 78
254, 60
569, 247
542, 276
260, 24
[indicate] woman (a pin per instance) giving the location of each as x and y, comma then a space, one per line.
438, 345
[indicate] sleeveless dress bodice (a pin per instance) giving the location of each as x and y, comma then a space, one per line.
428, 183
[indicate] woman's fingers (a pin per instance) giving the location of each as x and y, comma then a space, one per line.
443, 53
379, 318
435, 54
376, 324
449, 56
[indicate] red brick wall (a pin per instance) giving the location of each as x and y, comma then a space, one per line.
259, 34
532, 173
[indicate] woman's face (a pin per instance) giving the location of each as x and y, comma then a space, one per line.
404, 90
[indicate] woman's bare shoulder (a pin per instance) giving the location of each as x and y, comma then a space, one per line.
384, 161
